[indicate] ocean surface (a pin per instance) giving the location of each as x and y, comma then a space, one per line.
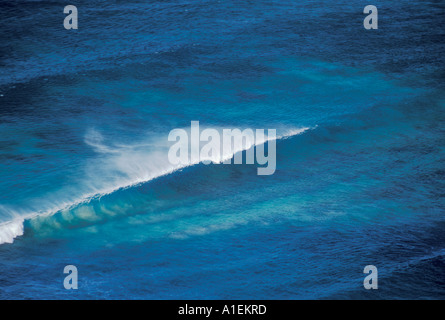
85, 181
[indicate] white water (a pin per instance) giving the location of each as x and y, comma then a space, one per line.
117, 166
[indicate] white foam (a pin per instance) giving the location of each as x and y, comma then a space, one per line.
10, 230
120, 166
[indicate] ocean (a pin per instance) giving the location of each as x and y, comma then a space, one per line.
84, 177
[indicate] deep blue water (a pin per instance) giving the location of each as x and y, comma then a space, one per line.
83, 113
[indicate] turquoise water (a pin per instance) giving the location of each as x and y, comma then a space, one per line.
85, 179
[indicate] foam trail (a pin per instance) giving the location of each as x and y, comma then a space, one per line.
125, 166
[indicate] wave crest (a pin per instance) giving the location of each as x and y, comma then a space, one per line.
123, 167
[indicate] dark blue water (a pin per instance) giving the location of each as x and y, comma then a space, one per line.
84, 115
